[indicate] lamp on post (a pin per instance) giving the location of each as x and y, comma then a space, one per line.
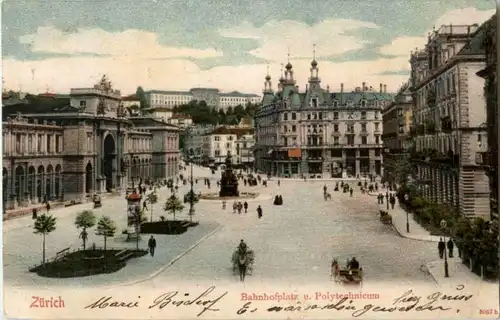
443, 226
191, 196
407, 197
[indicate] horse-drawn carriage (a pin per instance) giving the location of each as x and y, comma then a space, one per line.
347, 275
242, 261
97, 201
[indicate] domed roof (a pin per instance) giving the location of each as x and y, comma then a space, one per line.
282, 79
288, 66
268, 77
314, 63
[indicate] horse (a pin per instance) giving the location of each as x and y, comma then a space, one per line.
335, 270
242, 264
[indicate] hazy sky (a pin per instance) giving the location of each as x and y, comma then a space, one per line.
168, 44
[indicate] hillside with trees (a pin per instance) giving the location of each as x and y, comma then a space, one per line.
203, 114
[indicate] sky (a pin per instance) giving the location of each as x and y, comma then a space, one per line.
55, 45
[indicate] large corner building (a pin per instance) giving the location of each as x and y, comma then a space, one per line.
318, 132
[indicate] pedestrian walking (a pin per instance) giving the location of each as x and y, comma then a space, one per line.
450, 248
279, 183
223, 204
235, 207
259, 212
240, 207
441, 248
47, 206
351, 191
245, 205
393, 201
152, 246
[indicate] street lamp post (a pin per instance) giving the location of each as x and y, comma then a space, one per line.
443, 226
387, 199
407, 221
191, 197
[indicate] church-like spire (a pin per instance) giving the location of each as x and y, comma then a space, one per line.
314, 67
268, 85
289, 71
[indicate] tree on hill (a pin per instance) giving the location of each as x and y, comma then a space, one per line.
142, 98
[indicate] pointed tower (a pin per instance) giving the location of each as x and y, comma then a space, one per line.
289, 72
268, 88
314, 69
281, 80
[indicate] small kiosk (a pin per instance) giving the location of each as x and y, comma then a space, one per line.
133, 216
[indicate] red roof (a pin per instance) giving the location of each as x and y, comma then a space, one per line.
134, 196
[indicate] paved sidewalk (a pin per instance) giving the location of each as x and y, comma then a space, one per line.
460, 274
417, 232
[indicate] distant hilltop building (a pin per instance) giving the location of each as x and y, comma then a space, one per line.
166, 100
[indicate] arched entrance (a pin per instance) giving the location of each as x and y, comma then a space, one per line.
109, 157
88, 178
31, 182
57, 185
19, 187
5, 185
39, 183
48, 182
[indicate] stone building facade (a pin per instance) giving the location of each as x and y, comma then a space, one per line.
450, 119
491, 93
87, 144
318, 132
397, 123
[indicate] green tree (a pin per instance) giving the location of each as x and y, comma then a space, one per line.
173, 205
229, 111
106, 228
85, 219
142, 98
398, 168
44, 224
152, 198
221, 116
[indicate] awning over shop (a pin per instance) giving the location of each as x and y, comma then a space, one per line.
294, 153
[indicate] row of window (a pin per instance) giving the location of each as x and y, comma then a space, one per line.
319, 141
33, 143
324, 115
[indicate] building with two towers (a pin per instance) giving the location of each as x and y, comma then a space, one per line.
318, 132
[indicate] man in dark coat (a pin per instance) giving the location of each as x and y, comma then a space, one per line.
245, 206
259, 212
450, 248
441, 248
152, 246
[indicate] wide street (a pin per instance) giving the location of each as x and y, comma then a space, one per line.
293, 243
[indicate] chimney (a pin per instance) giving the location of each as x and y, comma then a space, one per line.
297, 87
364, 87
385, 88
341, 87
380, 88
371, 88
307, 87
328, 88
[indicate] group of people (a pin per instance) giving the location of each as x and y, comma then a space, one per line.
442, 248
390, 197
239, 207
344, 186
